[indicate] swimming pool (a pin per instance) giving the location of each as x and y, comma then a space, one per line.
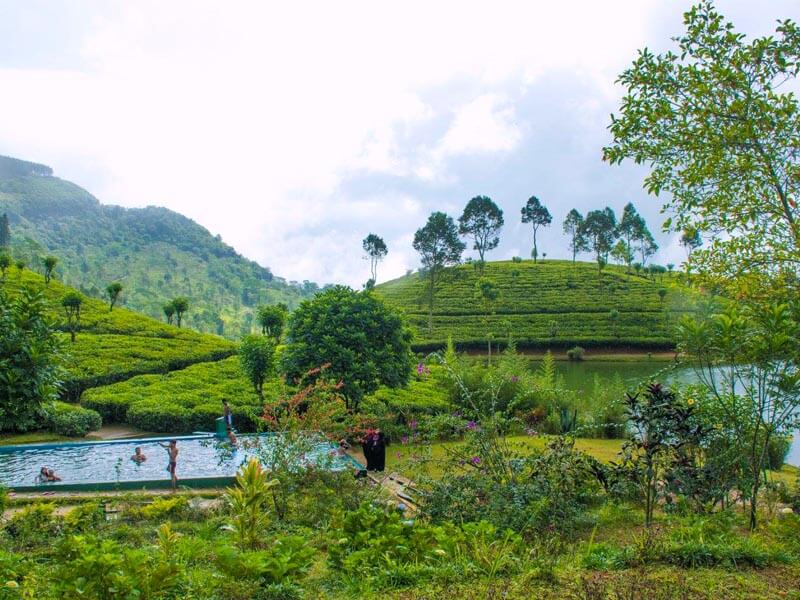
203, 461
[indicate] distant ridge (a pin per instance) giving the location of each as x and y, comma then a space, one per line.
154, 252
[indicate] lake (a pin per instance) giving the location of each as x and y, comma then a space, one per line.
580, 376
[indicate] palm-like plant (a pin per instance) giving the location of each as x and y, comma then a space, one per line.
247, 502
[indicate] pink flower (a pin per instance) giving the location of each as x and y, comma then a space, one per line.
398, 455
514, 379
413, 424
404, 439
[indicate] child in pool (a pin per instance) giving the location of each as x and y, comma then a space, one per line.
138, 457
47, 475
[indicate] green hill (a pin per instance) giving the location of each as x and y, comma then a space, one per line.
114, 346
157, 254
549, 304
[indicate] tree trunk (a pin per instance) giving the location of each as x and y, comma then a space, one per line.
430, 302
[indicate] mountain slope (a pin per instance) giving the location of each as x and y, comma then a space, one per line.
549, 304
157, 254
114, 346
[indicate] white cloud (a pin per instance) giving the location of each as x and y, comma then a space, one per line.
250, 116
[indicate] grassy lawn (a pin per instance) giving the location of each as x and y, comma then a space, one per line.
604, 450
38, 437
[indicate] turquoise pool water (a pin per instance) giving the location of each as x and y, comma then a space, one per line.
200, 457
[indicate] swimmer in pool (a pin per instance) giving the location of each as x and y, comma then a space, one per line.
138, 457
232, 437
47, 475
172, 451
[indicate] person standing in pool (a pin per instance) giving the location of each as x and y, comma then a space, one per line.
227, 413
138, 457
172, 451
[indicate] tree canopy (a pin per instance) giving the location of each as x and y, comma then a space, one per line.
113, 290
438, 246
271, 318
481, 220
376, 251
366, 344
599, 229
718, 123
257, 357
535, 213
573, 227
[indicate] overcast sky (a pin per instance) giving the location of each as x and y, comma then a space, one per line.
294, 129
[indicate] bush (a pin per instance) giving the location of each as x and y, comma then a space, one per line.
34, 525
71, 420
777, 451
516, 259
575, 353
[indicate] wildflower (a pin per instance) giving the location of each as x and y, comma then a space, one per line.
531, 431
690, 401
475, 460
413, 424
514, 379
472, 425
420, 369
404, 439
398, 455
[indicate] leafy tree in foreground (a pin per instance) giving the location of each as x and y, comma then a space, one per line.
29, 355
364, 344
439, 247
746, 358
113, 290
599, 230
718, 122
573, 228
72, 302
180, 306
257, 356
482, 220
376, 251
272, 318
49, 263
535, 213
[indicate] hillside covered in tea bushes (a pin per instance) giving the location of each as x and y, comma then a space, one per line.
549, 304
115, 345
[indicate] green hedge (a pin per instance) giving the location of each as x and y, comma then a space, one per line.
71, 420
181, 401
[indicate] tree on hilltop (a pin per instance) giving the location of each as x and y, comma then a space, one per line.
482, 220
438, 246
169, 312
572, 227
599, 229
535, 213
376, 251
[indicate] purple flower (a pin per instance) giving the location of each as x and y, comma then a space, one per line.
514, 379
472, 425
413, 424
475, 460
531, 431
398, 455
420, 368
404, 439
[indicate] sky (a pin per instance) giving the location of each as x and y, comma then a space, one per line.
294, 129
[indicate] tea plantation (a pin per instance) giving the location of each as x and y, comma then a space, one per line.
547, 304
114, 345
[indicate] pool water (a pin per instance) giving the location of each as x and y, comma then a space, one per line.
110, 462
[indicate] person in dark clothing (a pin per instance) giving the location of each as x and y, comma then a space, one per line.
374, 447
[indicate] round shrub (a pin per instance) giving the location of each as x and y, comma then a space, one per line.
777, 451
112, 409
575, 353
71, 420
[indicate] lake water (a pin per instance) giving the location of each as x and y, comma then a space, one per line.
580, 376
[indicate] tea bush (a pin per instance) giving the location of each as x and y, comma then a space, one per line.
71, 420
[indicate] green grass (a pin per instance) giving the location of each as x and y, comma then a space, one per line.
571, 301
37, 437
116, 345
604, 450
